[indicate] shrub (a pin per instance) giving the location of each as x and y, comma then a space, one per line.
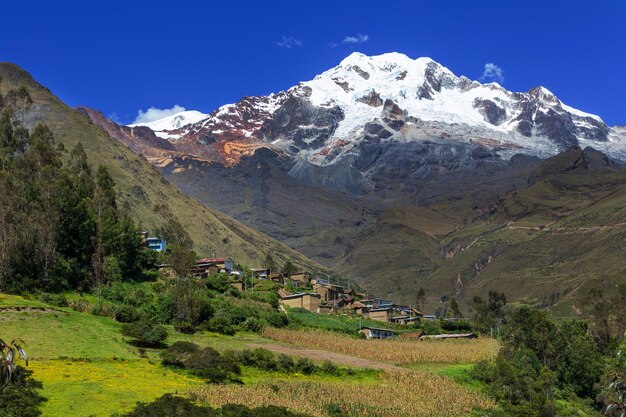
220, 325
81, 306
286, 363
276, 319
184, 327
57, 300
218, 282
251, 324
21, 398
104, 309
208, 363
176, 354
327, 367
173, 406
305, 366
146, 332
431, 327
125, 313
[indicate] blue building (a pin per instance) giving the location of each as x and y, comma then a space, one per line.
156, 244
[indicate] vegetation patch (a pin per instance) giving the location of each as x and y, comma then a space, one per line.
395, 351
397, 394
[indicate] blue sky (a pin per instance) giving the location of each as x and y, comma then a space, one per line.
120, 57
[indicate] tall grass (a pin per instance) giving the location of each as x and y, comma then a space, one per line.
397, 394
395, 351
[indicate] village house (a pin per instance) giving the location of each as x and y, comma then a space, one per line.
155, 243
260, 273
405, 319
300, 277
358, 307
210, 266
380, 314
376, 333
308, 301
328, 291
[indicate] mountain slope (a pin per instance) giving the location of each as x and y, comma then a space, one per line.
141, 188
399, 174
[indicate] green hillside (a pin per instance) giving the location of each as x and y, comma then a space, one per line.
141, 188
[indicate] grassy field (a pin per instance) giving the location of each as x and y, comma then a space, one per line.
392, 351
88, 369
77, 355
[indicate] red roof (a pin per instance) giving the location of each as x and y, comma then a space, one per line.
212, 260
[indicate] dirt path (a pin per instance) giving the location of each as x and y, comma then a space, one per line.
337, 358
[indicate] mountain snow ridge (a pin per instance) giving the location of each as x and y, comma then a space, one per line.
324, 119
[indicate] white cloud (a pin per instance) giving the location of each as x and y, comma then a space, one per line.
358, 38
153, 114
289, 42
492, 72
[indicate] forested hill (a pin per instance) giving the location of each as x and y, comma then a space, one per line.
142, 192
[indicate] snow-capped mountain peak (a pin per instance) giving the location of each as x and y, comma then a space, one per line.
387, 98
166, 126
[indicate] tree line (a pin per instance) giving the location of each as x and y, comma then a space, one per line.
60, 225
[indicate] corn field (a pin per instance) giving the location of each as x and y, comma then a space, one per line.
398, 394
393, 351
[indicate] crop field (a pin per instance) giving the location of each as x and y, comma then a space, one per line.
395, 394
393, 351
339, 323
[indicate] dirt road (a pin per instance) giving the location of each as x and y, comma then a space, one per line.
336, 358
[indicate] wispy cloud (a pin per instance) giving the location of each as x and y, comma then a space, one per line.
492, 72
354, 39
154, 113
350, 40
289, 42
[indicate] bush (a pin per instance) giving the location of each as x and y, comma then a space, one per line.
57, 300
286, 363
21, 399
207, 363
104, 309
305, 366
171, 406
220, 325
430, 327
276, 319
176, 354
146, 332
184, 327
251, 324
125, 313
327, 367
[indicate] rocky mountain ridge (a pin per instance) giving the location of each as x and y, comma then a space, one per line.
391, 98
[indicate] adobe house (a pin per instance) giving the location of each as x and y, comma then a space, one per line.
210, 266
380, 314
376, 333
308, 301
405, 319
301, 277
357, 307
328, 291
